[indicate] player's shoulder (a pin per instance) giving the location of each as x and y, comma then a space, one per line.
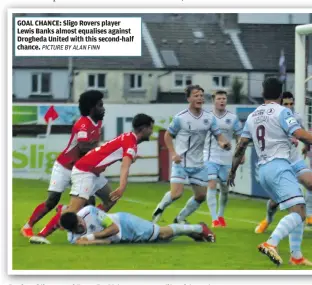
182, 113
82, 122
230, 115
86, 211
297, 115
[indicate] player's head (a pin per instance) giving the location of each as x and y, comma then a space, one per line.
288, 100
72, 223
195, 96
272, 89
219, 99
142, 125
91, 104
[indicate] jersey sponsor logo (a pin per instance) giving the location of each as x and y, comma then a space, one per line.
92, 228
228, 121
270, 111
82, 135
131, 151
206, 121
291, 121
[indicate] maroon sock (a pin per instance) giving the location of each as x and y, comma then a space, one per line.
40, 211
51, 226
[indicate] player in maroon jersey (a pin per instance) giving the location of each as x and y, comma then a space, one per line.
84, 137
87, 170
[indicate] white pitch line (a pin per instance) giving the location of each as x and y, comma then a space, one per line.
199, 212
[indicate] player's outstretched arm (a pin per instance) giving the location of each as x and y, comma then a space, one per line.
84, 241
237, 158
124, 173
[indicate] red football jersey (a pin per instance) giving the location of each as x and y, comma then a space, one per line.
84, 130
98, 159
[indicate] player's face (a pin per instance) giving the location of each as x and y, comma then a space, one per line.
81, 228
99, 110
220, 102
196, 99
147, 132
289, 103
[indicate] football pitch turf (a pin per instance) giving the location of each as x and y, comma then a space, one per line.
235, 248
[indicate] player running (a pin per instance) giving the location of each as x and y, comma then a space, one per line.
303, 173
218, 160
92, 226
189, 128
84, 137
269, 127
87, 171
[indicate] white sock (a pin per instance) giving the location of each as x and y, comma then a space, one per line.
285, 226
223, 199
191, 206
295, 241
27, 226
166, 201
183, 229
308, 199
212, 203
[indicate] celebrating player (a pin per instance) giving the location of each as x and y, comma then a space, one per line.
189, 128
218, 160
92, 226
269, 127
303, 173
86, 172
85, 136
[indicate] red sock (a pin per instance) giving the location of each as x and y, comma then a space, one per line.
101, 207
51, 226
40, 211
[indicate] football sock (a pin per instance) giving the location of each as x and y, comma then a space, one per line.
295, 241
285, 226
212, 203
51, 226
166, 201
223, 199
191, 206
308, 198
270, 212
183, 229
40, 211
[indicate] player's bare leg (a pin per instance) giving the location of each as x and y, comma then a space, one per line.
192, 204
103, 194
172, 195
306, 180
212, 202
264, 224
199, 232
40, 211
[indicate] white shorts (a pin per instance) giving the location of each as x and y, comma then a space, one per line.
60, 178
85, 184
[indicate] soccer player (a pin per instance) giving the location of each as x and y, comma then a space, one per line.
189, 128
303, 173
85, 136
269, 127
86, 172
218, 160
92, 226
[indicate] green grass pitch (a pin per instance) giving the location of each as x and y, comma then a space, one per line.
235, 249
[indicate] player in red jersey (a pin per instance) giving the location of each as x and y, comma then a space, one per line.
87, 170
84, 137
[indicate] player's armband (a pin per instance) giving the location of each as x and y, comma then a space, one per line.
106, 222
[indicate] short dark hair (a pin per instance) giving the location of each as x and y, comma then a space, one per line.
141, 121
218, 92
188, 90
69, 221
88, 100
272, 88
287, 95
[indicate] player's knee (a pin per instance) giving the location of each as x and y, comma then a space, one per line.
53, 199
299, 209
273, 205
224, 188
212, 184
91, 201
200, 197
176, 191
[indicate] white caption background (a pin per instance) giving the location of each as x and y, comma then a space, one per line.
61, 36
